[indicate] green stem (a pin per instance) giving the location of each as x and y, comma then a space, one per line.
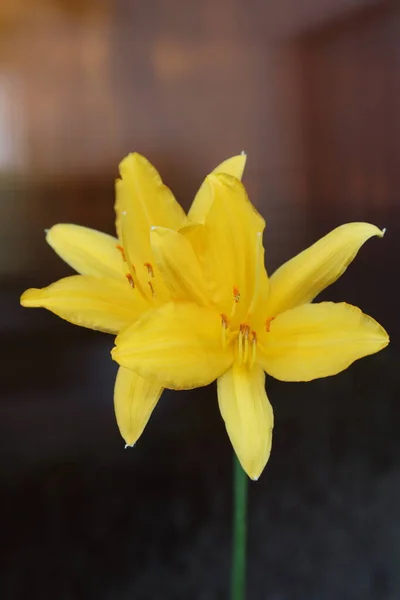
238, 583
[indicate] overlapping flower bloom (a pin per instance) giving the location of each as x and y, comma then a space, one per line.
192, 302
227, 320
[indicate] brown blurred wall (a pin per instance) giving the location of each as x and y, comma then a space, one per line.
188, 84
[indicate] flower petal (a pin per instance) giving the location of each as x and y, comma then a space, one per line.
88, 251
178, 345
318, 340
134, 400
248, 416
229, 247
179, 266
143, 199
303, 277
103, 304
201, 204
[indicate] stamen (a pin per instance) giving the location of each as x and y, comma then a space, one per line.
236, 299
136, 280
268, 324
153, 292
240, 347
245, 332
149, 268
130, 279
253, 340
225, 324
121, 249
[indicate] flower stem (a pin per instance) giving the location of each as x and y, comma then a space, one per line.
238, 582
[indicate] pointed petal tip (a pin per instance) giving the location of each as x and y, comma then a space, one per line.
129, 446
133, 159
383, 231
243, 153
30, 298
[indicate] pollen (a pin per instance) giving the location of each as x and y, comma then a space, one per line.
130, 280
150, 270
225, 325
236, 300
121, 249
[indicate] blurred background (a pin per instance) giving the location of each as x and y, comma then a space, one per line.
311, 91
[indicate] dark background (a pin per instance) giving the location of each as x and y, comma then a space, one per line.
311, 90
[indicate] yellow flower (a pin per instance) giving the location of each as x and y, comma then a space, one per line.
240, 324
118, 278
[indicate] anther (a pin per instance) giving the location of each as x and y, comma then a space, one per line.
149, 268
130, 279
268, 324
121, 249
236, 299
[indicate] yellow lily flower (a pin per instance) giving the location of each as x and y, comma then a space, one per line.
118, 278
248, 324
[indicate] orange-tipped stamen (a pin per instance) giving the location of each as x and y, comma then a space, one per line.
245, 332
130, 279
150, 270
121, 249
236, 299
240, 347
132, 270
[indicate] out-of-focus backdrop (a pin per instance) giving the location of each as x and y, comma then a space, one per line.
311, 91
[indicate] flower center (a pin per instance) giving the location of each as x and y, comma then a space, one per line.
245, 340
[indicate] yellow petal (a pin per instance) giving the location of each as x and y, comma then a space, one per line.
103, 304
179, 266
141, 194
229, 247
178, 345
248, 416
303, 277
318, 340
232, 166
134, 400
88, 251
